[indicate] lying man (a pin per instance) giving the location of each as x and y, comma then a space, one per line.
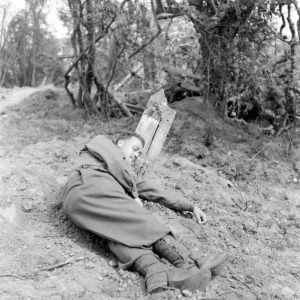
103, 196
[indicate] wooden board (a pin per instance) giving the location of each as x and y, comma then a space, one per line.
154, 127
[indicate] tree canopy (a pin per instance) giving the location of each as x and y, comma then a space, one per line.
239, 55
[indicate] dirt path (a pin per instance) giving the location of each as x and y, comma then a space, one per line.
253, 205
9, 97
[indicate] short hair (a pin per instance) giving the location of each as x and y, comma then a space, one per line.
127, 135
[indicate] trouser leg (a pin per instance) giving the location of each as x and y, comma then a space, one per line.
159, 276
127, 255
145, 262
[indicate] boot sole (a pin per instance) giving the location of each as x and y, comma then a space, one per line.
215, 266
197, 281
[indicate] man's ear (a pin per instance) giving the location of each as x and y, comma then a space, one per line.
120, 143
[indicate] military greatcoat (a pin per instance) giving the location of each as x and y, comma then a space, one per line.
99, 197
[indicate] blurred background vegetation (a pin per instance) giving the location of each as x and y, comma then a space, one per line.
240, 56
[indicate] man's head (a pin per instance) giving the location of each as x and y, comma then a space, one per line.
131, 145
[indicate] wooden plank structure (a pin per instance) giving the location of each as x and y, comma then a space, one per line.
154, 126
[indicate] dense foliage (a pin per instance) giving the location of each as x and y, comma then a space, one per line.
240, 54
27, 50
217, 49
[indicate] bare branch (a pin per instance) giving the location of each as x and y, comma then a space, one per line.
153, 37
291, 24
122, 106
165, 16
298, 12
282, 18
114, 67
180, 73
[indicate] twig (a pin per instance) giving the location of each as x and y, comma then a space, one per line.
12, 275
262, 149
245, 284
62, 264
180, 73
168, 16
208, 82
216, 297
237, 204
291, 144
244, 201
284, 128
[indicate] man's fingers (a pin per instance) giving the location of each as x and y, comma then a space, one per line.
201, 217
138, 201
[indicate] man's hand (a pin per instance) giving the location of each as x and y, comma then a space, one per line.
138, 201
199, 215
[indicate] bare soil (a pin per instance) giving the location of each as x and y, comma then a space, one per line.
248, 185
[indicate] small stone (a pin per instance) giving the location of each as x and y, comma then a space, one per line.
89, 265
287, 292
129, 282
234, 244
100, 278
122, 273
113, 276
239, 138
2, 153
27, 206
295, 179
187, 293
61, 180
246, 250
105, 274
113, 263
48, 246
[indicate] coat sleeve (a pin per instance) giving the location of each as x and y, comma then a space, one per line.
150, 190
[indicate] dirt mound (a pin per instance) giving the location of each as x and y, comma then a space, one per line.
251, 199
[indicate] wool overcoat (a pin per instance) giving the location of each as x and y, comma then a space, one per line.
99, 197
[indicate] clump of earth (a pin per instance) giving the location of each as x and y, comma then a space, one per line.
246, 182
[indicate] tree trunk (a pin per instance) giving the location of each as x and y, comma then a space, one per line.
216, 41
90, 44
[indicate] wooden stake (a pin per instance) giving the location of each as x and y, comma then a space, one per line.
154, 127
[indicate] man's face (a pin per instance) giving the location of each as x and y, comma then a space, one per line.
131, 149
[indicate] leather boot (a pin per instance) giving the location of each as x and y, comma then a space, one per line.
169, 248
154, 271
160, 277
